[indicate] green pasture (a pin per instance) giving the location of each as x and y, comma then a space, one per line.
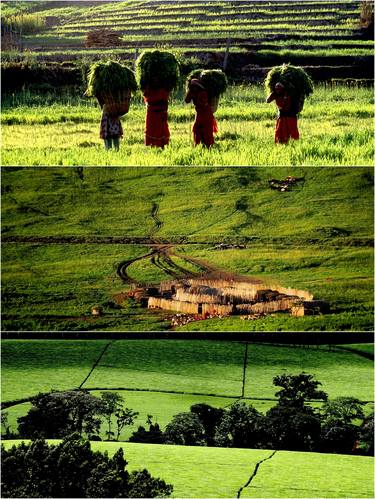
55, 287
315, 237
163, 378
335, 129
200, 471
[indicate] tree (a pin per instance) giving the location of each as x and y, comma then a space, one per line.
366, 435
112, 406
124, 417
72, 469
293, 428
339, 433
153, 435
4, 423
210, 418
297, 389
185, 429
292, 424
241, 426
57, 414
344, 409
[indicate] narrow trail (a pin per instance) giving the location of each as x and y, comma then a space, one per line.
154, 215
123, 266
254, 473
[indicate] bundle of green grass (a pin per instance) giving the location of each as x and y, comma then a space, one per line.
213, 80
296, 81
157, 69
112, 84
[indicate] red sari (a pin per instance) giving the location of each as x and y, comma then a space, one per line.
157, 131
286, 124
205, 125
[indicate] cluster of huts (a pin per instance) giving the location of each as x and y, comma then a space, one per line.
222, 296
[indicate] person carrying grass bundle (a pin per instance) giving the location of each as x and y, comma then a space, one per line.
110, 130
203, 89
288, 86
112, 84
157, 74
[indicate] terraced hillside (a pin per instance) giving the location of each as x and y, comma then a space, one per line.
313, 33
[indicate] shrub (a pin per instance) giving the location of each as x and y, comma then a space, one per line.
157, 69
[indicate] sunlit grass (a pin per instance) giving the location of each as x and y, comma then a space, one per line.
335, 129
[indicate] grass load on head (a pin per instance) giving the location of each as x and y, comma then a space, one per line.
214, 81
112, 84
110, 78
296, 81
157, 69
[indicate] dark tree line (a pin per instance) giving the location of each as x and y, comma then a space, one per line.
340, 426
73, 469
59, 414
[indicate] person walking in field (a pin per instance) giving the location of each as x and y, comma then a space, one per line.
157, 73
110, 130
112, 84
286, 124
205, 125
156, 129
288, 86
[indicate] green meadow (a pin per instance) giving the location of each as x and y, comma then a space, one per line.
67, 230
163, 378
200, 471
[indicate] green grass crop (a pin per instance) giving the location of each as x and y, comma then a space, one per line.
335, 127
200, 471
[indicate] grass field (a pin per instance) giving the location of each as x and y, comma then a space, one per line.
169, 376
199, 471
66, 231
335, 126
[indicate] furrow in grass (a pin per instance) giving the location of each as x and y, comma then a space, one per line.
254, 473
96, 363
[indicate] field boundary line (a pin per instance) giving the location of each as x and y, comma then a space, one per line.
244, 370
254, 473
366, 355
11, 403
96, 363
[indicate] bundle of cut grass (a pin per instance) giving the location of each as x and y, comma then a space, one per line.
296, 81
213, 80
157, 69
102, 38
111, 83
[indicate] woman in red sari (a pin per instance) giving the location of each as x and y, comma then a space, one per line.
157, 131
286, 124
205, 125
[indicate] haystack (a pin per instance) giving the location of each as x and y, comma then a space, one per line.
103, 38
